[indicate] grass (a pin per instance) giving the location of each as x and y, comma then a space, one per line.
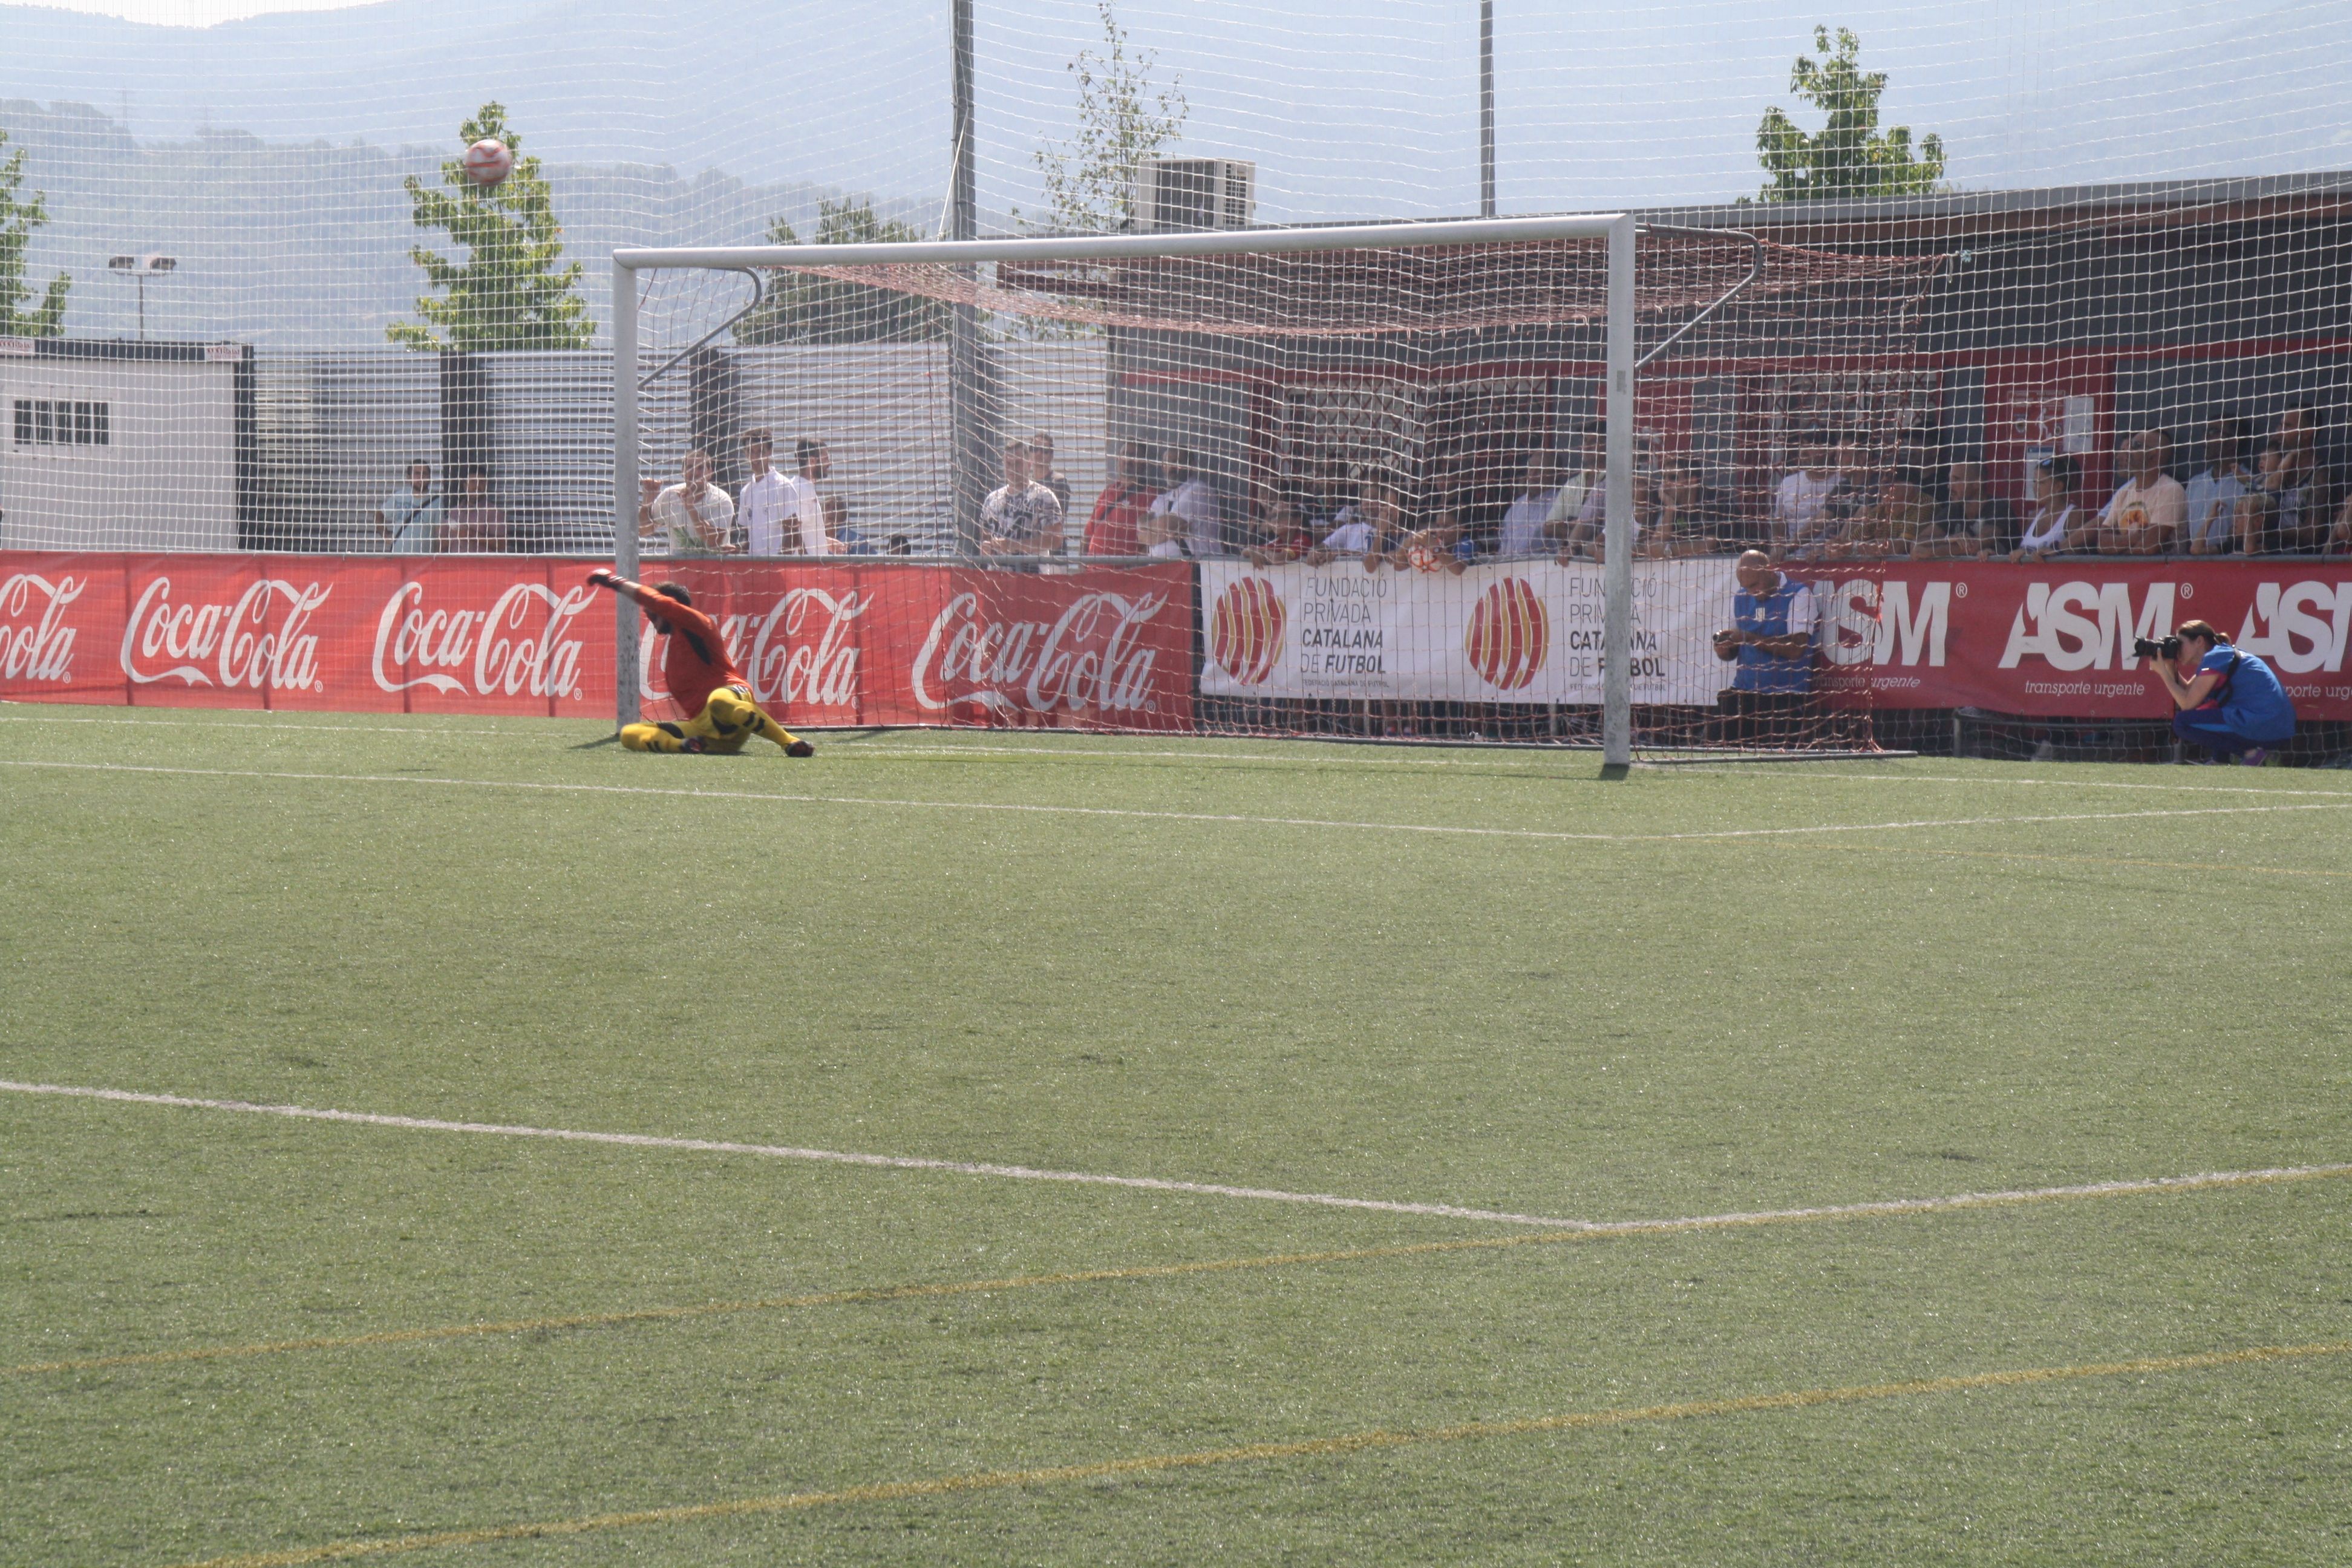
1228, 962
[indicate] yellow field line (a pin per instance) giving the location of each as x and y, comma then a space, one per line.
2088, 859
1350, 1443
1885, 1209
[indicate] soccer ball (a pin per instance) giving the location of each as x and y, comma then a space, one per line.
488, 161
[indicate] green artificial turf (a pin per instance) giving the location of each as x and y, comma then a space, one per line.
1226, 962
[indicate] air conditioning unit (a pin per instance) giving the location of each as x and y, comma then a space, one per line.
1176, 194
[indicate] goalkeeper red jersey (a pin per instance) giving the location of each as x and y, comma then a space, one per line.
695, 662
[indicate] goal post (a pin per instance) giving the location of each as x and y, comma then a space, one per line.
1615, 231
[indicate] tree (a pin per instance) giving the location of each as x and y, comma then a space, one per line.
18, 219
510, 293
799, 309
1849, 158
1122, 121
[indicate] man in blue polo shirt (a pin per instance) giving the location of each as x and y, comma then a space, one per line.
1770, 641
2230, 701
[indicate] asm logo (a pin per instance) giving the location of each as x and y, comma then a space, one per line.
1867, 622
2299, 626
2087, 626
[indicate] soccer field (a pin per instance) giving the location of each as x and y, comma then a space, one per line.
1279, 1153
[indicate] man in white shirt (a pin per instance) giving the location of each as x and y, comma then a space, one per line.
774, 506
1800, 506
1021, 517
1186, 511
410, 518
2147, 515
815, 460
1575, 490
694, 515
1526, 523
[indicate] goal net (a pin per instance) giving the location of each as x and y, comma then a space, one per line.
1372, 472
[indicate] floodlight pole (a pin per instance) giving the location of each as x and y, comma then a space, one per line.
1617, 535
968, 370
624, 488
1486, 108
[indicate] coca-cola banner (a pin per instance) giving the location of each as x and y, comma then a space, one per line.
852, 644
1524, 631
2055, 638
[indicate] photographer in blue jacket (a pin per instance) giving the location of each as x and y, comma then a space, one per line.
2230, 701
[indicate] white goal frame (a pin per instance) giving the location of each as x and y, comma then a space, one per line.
1616, 229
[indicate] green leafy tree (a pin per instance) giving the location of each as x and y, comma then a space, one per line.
1123, 121
18, 219
511, 292
1849, 158
799, 309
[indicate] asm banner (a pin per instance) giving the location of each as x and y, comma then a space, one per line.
827, 644
2055, 638
1517, 632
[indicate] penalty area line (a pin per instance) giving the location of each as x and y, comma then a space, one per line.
1262, 1453
1196, 1189
860, 1296
1018, 808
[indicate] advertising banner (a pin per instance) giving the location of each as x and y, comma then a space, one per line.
853, 644
1524, 631
2055, 638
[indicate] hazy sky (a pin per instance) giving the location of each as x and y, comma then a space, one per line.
195, 13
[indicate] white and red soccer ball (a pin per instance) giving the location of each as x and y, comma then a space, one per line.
488, 160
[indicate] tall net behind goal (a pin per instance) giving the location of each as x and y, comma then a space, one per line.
1372, 479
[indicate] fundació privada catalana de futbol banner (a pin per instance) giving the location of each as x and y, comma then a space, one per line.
849, 644
1515, 632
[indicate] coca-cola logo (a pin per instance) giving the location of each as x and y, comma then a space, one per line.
1091, 659
1245, 630
802, 650
232, 645
518, 645
1508, 634
36, 644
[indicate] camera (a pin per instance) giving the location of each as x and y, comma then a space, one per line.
2151, 647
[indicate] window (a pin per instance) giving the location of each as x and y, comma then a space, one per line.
59, 422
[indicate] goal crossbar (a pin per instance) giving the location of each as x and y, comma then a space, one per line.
1616, 229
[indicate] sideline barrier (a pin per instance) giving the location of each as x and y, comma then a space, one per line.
1114, 647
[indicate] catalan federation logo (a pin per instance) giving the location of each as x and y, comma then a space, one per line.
1510, 635
1245, 630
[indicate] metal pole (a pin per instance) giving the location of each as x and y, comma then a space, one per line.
1617, 560
967, 417
625, 489
1486, 108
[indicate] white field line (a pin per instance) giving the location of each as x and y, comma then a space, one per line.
1209, 1189
1112, 751
1222, 817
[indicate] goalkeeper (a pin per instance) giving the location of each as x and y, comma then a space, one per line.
701, 676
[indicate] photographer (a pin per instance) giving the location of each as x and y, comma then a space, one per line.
2230, 701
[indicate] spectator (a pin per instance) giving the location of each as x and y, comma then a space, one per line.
1968, 523
1021, 517
693, 514
1801, 504
2210, 500
840, 537
410, 518
1111, 531
1187, 510
1442, 546
815, 462
1529, 516
1333, 500
1576, 490
477, 525
2147, 513
1770, 641
1367, 532
1286, 537
2056, 515
1042, 469
2286, 511
771, 505
1690, 517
